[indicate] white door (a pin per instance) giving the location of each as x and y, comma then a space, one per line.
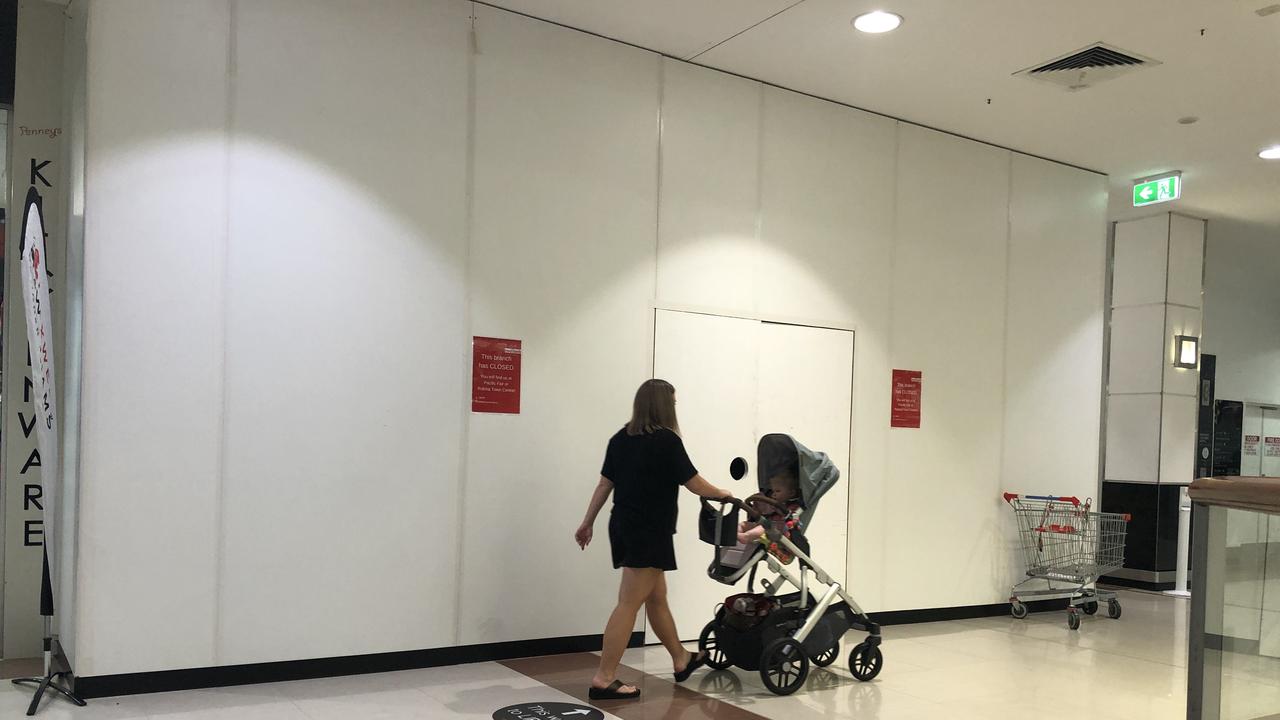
735, 381
1270, 442
711, 361
805, 390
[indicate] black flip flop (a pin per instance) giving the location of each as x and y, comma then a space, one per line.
612, 692
695, 662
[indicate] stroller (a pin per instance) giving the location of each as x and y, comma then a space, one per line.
780, 635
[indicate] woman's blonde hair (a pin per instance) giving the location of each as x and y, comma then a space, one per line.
654, 408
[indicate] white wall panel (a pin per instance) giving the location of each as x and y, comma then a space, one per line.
826, 209
1178, 440
1186, 260
1141, 261
827, 230
948, 321
156, 185
1137, 343
1053, 352
1133, 438
562, 258
360, 353
708, 242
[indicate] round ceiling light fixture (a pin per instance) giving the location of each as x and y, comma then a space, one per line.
877, 21
1271, 153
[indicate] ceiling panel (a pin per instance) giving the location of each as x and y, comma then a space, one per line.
680, 28
951, 64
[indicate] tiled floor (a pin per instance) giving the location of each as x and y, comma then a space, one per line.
990, 669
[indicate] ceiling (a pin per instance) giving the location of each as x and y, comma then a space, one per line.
1220, 62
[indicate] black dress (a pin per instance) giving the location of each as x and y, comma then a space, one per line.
646, 471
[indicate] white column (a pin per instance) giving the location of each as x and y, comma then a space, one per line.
1151, 404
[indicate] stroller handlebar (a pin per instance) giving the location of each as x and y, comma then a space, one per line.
752, 515
748, 506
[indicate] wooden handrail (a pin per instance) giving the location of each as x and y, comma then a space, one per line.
1259, 494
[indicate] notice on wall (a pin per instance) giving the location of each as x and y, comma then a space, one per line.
1251, 442
1273, 447
906, 398
495, 375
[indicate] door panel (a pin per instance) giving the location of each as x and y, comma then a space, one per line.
805, 390
712, 362
736, 380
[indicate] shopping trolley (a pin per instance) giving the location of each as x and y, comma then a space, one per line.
1068, 547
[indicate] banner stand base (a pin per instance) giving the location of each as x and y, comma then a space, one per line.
55, 667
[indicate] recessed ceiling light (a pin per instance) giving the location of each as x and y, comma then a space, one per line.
1271, 153
877, 21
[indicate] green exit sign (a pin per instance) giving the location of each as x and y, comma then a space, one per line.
1157, 190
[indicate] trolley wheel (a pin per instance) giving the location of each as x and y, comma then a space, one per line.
866, 661
784, 666
1113, 609
1018, 609
1073, 620
1091, 608
827, 656
708, 643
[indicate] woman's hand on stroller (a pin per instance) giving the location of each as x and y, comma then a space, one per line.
583, 535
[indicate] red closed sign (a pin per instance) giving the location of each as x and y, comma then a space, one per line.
495, 375
907, 388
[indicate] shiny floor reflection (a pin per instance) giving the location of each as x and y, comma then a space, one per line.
990, 669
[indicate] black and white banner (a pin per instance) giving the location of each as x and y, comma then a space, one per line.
35, 297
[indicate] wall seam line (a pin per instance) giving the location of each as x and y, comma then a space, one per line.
1002, 478
1164, 327
223, 330
657, 218
464, 440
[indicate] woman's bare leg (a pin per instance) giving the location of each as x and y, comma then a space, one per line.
663, 625
637, 585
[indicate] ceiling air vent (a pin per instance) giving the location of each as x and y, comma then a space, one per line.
1088, 67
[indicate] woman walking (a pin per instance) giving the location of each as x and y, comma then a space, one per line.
644, 467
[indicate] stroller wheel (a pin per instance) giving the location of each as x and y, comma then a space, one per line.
708, 643
827, 656
784, 666
866, 661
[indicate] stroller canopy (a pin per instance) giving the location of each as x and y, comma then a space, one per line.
778, 453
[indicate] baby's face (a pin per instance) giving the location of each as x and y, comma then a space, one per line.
781, 488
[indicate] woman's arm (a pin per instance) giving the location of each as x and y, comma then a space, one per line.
700, 487
585, 530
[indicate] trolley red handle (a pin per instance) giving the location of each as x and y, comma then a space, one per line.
1010, 497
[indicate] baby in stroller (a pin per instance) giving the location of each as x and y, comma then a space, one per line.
780, 634
784, 488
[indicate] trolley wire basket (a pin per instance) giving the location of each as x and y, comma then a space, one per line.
1066, 546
